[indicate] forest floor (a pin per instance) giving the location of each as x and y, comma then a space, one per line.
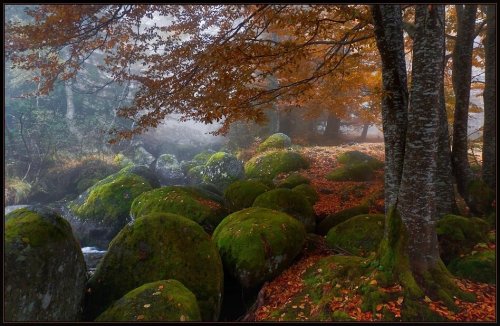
336, 196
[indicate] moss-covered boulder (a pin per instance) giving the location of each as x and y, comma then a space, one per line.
101, 212
275, 141
308, 192
155, 247
256, 244
293, 180
270, 164
44, 270
195, 174
359, 235
458, 235
363, 171
222, 169
169, 170
476, 266
188, 202
241, 194
166, 300
141, 156
356, 157
333, 219
290, 202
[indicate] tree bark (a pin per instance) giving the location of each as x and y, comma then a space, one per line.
70, 110
332, 130
364, 132
489, 130
389, 36
461, 78
417, 200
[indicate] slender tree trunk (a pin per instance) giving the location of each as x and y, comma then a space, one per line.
461, 77
489, 131
445, 191
364, 132
70, 110
390, 43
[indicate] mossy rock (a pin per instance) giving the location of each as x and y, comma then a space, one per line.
359, 235
458, 235
481, 196
166, 300
159, 246
275, 141
188, 202
293, 180
142, 157
308, 192
290, 202
356, 157
203, 157
477, 266
195, 174
256, 244
331, 220
169, 170
241, 194
44, 269
103, 209
222, 169
270, 164
363, 171
122, 160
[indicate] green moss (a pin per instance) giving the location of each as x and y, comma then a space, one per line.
458, 235
256, 244
290, 202
275, 141
270, 164
195, 174
241, 194
354, 172
26, 226
477, 266
331, 220
308, 192
359, 235
203, 157
184, 201
293, 180
167, 300
222, 169
110, 203
155, 247
356, 157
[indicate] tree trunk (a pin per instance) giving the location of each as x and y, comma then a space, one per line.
444, 185
461, 78
332, 130
489, 131
364, 132
390, 43
70, 110
409, 252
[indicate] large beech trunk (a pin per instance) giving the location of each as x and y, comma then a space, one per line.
409, 251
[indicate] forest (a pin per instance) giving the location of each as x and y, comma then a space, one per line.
249, 162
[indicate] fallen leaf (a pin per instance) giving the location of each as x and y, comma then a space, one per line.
140, 317
379, 307
400, 300
147, 305
373, 282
